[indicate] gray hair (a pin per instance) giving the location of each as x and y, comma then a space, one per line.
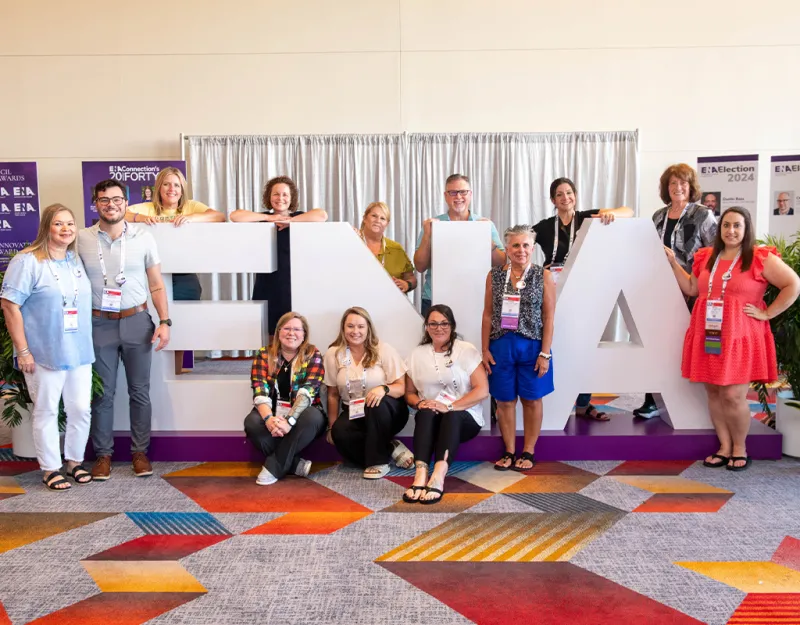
519, 229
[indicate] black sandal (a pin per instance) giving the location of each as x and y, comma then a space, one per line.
408, 499
593, 414
747, 462
723, 461
525, 456
80, 474
507, 454
431, 489
56, 479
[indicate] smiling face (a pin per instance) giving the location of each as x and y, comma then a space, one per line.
291, 335
519, 248
280, 197
148, 194
458, 196
710, 202
375, 221
355, 330
678, 190
170, 191
783, 203
62, 229
111, 205
564, 198
438, 328
732, 229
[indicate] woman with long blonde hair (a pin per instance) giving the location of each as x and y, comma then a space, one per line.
367, 376
287, 411
47, 303
390, 254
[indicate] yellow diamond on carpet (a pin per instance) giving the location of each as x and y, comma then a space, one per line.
487, 477
141, 576
219, 469
9, 486
750, 577
667, 484
22, 528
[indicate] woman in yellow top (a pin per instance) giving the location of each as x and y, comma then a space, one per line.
389, 253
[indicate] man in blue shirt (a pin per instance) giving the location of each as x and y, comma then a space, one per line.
458, 196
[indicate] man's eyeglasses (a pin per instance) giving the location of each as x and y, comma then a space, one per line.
105, 201
460, 192
438, 324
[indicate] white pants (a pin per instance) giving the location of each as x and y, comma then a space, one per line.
46, 387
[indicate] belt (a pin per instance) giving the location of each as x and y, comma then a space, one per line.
128, 312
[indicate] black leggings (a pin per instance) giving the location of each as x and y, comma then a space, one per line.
367, 442
441, 433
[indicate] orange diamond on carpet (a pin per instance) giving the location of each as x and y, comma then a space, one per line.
141, 576
159, 547
767, 609
651, 467
451, 502
569, 483
309, 523
684, 502
22, 528
219, 469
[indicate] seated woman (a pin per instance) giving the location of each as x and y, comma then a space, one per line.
516, 335
280, 200
389, 253
367, 376
446, 383
287, 414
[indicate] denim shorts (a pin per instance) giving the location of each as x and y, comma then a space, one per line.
513, 373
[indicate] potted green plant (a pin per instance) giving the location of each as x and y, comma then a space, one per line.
786, 329
17, 403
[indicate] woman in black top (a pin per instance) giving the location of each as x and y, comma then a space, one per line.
281, 204
555, 235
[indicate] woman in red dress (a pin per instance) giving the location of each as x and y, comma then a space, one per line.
728, 350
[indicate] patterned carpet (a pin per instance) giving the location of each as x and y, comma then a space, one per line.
576, 542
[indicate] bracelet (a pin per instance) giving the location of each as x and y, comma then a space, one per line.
23, 352
545, 356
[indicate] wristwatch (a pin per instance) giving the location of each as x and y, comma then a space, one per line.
385, 389
545, 356
166, 322
449, 406
291, 420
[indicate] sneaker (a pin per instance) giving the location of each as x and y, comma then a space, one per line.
141, 465
647, 411
265, 478
303, 467
101, 470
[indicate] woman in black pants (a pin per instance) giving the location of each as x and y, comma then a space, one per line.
446, 383
367, 376
287, 414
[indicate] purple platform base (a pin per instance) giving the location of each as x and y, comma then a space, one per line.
622, 438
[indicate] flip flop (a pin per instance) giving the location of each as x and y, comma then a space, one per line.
593, 414
525, 456
408, 499
431, 489
715, 465
747, 462
507, 454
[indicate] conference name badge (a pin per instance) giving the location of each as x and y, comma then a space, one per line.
282, 408
555, 272
444, 397
112, 300
713, 338
509, 314
357, 408
70, 320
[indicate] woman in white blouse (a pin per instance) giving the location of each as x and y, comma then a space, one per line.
446, 384
366, 376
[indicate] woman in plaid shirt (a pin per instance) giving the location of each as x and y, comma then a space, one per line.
287, 413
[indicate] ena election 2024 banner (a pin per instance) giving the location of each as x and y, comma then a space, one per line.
19, 208
784, 193
728, 181
138, 179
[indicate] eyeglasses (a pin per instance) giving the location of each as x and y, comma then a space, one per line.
105, 201
438, 324
286, 330
460, 192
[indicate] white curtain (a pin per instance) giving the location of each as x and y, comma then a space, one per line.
510, 175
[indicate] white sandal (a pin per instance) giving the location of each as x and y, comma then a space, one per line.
376, 472
402, 455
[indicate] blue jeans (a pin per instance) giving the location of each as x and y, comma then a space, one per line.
583, 400
425, 307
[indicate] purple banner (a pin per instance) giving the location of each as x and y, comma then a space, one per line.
19, 208
137, 178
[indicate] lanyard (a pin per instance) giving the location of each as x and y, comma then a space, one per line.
120, 278
555, 237
383, 247
521, 282
448, 363
347, 362
72, 273
725, 276
675, 229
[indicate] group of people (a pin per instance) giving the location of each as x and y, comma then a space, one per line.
76, 300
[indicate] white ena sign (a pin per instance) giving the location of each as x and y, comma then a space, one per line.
332, 270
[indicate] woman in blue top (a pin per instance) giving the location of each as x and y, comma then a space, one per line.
47, 303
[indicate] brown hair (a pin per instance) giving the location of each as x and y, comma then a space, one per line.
456, 178
304, 352
684, 172
371, 355
376, 205
40, 247
160, 178
280, 180
748, 240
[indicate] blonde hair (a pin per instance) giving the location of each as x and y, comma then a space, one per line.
376, 205
371, 354
40, 247
304, 352
162, 176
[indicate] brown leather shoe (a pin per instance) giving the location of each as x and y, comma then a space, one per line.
101, 470
141, 465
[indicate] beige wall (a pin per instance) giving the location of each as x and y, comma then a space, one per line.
99, 80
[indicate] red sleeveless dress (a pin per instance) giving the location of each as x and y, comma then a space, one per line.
748, 347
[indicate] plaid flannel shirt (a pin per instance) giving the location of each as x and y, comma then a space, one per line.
308, 377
